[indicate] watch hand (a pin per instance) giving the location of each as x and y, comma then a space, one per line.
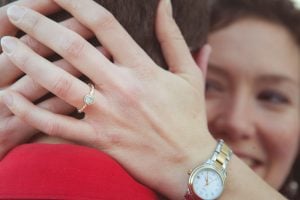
206, 178
213, 180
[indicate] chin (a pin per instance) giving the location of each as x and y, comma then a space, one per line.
275, 179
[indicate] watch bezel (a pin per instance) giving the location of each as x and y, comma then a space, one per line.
195, 171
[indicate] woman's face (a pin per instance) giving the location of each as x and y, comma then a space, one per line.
252, 95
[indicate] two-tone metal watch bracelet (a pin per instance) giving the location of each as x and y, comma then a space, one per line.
219, 161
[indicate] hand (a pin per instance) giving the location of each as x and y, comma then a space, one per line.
46, 7
14, 131
144, 117
8, 71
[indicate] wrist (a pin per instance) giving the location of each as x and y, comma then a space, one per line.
197, 153
207, 180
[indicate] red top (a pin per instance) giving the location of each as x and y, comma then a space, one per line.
63, 171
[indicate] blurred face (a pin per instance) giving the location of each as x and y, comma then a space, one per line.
252, 95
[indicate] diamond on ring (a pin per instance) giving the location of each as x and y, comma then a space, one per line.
88, 99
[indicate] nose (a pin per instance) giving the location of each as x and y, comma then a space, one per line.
234, 119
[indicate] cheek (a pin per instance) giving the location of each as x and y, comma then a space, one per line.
213, 107
280, 139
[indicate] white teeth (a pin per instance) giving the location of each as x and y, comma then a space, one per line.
248, 161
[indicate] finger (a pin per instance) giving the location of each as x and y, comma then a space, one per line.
46, 7
10, 72
48, 122
14, 131
108, 31
31, 89
51, 77
174, 47
14, 125
72, 24
71, 46
202, 58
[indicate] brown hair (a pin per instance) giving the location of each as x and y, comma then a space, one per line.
283, 12
138, 17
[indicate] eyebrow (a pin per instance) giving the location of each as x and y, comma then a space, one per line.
277, 79
268, 78
217, 69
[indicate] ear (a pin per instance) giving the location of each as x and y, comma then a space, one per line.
201, 57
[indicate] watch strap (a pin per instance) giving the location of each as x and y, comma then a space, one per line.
221, 156
219, 159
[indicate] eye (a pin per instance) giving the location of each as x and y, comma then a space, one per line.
212, 85
273, 97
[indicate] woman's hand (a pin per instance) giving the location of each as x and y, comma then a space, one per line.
150, 120
10, 73
13, 131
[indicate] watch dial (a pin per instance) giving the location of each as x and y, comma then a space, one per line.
208, 184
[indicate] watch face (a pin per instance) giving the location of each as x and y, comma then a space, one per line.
207, 184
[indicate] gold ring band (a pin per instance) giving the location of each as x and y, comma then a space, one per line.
88, 99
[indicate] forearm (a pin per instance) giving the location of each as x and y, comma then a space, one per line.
243, 183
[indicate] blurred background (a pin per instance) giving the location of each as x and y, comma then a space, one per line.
297, 3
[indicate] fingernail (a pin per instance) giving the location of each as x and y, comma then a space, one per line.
8, 100
8, 45
169, 9
16, 12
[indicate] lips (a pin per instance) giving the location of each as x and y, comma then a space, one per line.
253, 163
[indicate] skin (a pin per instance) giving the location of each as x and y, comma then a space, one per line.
106, 124
14, 131
140, 125
253, 95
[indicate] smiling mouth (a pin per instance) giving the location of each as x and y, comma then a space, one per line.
252, 163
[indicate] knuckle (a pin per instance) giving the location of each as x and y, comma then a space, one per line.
25, 114
33, 22
148, 73
104, 22
24, 60
51, 128
48, 106
171, 38
131, 94
61, 86
32, 43
27, 87
32, 85
73, 46
72, 4
110, 140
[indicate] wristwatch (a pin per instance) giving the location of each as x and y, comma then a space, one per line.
206, 182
